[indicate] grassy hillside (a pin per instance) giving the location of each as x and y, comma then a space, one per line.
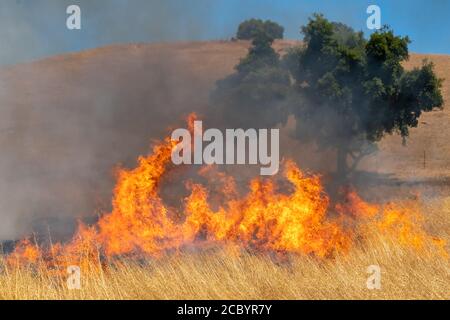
66, 121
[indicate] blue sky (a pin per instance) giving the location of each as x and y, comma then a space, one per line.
31, 29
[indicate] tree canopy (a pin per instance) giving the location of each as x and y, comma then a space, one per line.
253, 96
346, 92
249, 29
354, 90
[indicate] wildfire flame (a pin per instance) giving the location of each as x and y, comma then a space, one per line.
301, 221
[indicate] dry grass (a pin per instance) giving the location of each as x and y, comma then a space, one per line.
217, 274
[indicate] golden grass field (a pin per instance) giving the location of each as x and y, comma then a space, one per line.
215, 273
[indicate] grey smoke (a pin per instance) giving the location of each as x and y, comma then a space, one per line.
66, 122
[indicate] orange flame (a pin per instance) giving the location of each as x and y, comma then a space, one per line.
265, 219
25, 253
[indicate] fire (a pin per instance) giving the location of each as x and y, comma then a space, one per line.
299, 221
25, 253
268, 220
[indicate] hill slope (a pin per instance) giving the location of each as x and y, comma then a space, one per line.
66, 121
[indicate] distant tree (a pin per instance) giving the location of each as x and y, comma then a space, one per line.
253, 96
353, 91
248, 29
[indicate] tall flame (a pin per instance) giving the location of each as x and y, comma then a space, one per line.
265, 219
